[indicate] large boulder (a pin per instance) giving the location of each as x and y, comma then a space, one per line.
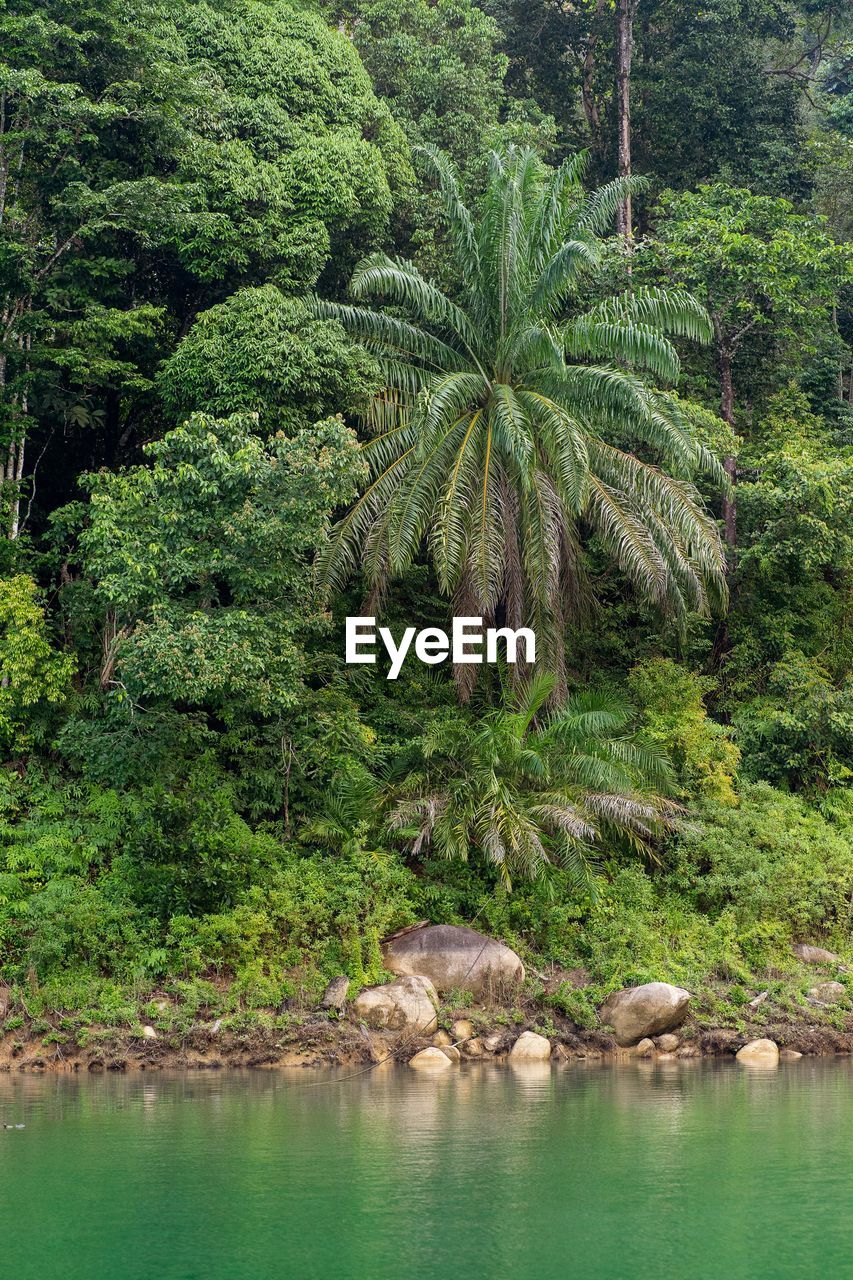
759, 1053
814, 955
408, 1005
430, 1060
637, 1012
453, 958
530, 1047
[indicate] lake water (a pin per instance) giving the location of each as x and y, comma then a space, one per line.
591, 1172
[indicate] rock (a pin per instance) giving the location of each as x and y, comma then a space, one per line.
645, 1048
759, 1052
828, 992
452, 957
462, 1029
668, 1043
450, 1051
689, 1051
408, 1005
492, 1044
442, 1039
472, 1048
758, 1001
530, 1047
789, 1055
431, 1060
649, 1010
814, 955
216, 1027
148, 1033
335, 995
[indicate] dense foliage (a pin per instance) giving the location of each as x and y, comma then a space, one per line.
312, 304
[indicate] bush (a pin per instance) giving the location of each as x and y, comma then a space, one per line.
675, 718
321, 914
775, 859
34, 677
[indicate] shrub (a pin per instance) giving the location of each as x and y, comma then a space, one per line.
775, 858
674, 716
33, 675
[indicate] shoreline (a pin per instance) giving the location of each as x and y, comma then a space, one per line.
320, 1042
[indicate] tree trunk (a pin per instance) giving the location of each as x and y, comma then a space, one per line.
17, 448
624, 47
727, 412
591, 108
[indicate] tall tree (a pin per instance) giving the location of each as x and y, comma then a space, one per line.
295, 165
766, 274
504, 416
201, 561
624, 51
437, 64
90, 119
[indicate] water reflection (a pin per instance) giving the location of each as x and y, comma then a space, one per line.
582, 1169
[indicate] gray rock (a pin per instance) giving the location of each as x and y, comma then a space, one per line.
462, 1029
148, 1033
790, 1055
828, 992
408, 1005
814, 955
649, 1010
492, 1044
431, 1060
645, 1049
530, 1047
761, 1053
667, 1043
335, 995
453, 958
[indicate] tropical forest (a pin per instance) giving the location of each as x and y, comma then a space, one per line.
532, 312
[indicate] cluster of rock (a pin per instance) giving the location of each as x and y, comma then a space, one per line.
530, 1047
432, 958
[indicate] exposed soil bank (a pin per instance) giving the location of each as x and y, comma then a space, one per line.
316, 1040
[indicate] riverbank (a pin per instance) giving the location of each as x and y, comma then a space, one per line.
316, 1039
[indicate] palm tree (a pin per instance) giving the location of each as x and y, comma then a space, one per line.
497, 436
526, 790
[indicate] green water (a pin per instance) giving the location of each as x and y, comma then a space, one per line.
681, 1170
